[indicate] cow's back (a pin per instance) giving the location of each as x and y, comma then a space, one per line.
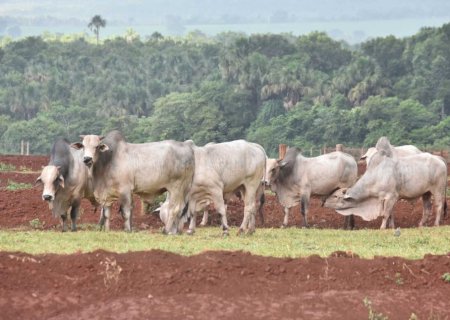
152, 166
420, 173
230, 162
327, 172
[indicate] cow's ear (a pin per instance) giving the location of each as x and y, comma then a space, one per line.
82, 136
77, 145
157, 210
103, 147
348, 197
101, 138
363, 157
282, 164
38, 181
61, 181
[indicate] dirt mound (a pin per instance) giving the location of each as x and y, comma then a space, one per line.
221, 285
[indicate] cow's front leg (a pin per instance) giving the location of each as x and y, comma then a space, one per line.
286, 217
304, 205
205, 218
105, 214
387, 206
349, 222
221, 208
74, 214
192, 223
64, 222
126, 206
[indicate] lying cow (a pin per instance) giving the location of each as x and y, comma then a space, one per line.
295, 178
376, 192
66, 182
121, 169
221, 170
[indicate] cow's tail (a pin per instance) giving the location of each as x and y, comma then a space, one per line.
445, 208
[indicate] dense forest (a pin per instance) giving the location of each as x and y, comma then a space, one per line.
305, 90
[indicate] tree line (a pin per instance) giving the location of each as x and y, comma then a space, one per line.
268, 88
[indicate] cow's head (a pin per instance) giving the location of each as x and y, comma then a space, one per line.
92, 146
177, 225
281, 171
52, 180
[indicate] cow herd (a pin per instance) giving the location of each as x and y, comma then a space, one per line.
106, 169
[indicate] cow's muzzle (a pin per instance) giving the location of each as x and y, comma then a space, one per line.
47, 197
87, 161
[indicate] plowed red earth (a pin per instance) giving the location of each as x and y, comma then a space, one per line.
212, 285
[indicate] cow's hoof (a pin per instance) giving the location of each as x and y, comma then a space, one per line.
283, 226
163, 230
225, 233
250, 232
190, 232
240, 232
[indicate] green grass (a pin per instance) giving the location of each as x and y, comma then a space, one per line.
292, 242
13, 186
7, 167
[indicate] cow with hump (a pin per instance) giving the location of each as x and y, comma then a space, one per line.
221, 170
389, 179
66, 182
295, 178
120, 169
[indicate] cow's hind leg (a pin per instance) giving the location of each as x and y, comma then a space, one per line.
248, 225
440, 203
427, 207
220, 206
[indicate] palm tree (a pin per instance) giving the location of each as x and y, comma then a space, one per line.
96, 23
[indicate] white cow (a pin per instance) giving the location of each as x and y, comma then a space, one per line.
295, 178
66, 182
389, 179
120, 169
221, 170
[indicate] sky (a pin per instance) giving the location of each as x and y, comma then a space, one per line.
351, 20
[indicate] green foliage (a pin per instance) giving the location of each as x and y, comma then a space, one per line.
291, 242
373, 315
446, 277
37, 224
7, 167
304, 91
14, 186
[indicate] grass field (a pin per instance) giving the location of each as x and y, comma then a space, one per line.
293, 242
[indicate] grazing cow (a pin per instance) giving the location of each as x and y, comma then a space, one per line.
295, 178
66, 182
221, 170
120, 169
389, 179
395, 152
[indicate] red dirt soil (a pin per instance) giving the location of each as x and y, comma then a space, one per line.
220, 285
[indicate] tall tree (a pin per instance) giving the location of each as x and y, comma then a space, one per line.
96, 23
